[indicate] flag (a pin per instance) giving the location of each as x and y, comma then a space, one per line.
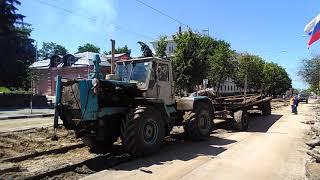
313, 29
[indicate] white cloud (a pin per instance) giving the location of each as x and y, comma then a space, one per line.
93, 15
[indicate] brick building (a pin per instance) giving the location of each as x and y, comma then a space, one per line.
69, 66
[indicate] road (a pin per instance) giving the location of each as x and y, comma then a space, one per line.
26, 123
273, 148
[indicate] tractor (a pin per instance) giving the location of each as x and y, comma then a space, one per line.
136, 104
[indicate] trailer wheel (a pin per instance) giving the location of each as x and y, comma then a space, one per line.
241, 120
198, 123
266, 108
143, 131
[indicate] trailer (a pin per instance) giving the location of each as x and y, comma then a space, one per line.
235, 109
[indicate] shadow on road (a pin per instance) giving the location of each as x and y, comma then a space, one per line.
174, 148
262, 123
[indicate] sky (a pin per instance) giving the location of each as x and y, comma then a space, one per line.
272, 29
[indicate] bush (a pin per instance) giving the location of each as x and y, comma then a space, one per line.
4, 90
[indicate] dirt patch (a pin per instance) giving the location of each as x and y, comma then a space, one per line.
279, 103
33, 140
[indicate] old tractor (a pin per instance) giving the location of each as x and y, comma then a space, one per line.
136, 104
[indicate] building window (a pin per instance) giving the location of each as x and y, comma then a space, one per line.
231, 88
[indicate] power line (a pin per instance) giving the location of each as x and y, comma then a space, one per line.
164, 14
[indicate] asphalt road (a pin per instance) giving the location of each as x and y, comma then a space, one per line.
273, 148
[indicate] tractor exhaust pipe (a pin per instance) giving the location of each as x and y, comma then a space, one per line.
57, 108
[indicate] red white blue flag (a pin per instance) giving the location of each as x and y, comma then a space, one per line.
313, 29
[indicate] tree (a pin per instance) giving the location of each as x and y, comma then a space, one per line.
88, 48
16, 49
310, 72
50, 48
119, 50
250, 66
161, 47
222, 64
276, 80
190, 61
145, 49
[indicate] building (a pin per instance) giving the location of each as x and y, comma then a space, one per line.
68, 66
171, 46
118, 57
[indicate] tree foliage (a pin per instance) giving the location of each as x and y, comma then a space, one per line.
88, 48
16, 49
275, 79
50, 48
119, 50
190, 63
310, 72
250, 66
222, 64
145, 49
161, 47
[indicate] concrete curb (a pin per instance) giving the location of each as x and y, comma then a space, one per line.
26, 116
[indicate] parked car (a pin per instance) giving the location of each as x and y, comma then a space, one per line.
303, 98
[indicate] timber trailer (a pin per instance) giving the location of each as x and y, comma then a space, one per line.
138, 105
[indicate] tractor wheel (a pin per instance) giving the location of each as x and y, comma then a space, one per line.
143, 131
266, 108
241, 120
198, 123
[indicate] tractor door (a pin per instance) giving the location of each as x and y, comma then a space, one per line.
164, 83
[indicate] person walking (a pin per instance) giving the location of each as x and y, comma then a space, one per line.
292, 104
296, 103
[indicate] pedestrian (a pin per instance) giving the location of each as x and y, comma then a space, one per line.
296, 103
292, 104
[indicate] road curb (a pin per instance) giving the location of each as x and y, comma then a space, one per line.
26, 116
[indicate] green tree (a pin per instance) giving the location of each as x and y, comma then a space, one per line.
250, 66
88, 48
119, 50
50, 48
145, 49
310, 72
16, 49
276, 80
161, 47
190, 61
222, 64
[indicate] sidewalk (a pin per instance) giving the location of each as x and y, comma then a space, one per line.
24, 113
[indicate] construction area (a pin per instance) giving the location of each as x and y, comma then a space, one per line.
276, 140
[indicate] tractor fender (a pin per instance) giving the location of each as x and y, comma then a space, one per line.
158, 104
190, 103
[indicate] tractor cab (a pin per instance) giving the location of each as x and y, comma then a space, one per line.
152, 75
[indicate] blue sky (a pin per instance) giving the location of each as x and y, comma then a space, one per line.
272, 29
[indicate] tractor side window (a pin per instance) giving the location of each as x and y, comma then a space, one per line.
163, 72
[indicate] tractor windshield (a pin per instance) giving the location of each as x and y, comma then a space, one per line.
134, 72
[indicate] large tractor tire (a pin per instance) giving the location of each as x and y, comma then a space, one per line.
266, 108
143, 131
198, 123
240, 120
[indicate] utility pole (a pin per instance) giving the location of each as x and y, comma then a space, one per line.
32, 78
113, 42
